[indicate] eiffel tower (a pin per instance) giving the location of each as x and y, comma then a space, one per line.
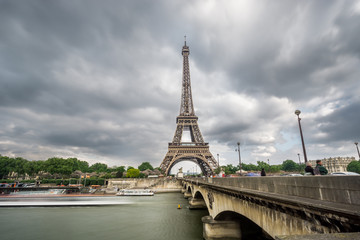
192, 148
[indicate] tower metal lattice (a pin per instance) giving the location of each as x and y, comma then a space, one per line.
194, 149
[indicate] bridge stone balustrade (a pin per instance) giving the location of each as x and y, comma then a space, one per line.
275, 206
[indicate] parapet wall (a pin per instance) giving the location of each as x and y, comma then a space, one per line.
153, 183
339, 189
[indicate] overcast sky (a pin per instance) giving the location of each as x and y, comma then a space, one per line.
101, 80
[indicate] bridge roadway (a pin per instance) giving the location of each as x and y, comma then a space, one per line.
276, 206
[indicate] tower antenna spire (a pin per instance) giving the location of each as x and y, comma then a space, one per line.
187, 107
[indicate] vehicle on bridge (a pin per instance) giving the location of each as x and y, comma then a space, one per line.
343, 173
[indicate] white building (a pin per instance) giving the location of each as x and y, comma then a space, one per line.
336, 164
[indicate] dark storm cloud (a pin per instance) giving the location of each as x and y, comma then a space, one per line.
342, 124
102, 80
308, 53
62, 60
303, 30
38, 39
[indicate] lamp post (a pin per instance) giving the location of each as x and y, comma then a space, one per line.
218, 160
356, 144
297, 112
85, 180
238, 143
299, 162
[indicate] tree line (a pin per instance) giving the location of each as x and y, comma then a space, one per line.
286, 166
61, 168
71, 167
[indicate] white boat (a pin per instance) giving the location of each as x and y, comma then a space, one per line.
135, 192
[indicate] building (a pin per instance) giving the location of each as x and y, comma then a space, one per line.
336, 164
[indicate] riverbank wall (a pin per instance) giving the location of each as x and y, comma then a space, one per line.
159, 185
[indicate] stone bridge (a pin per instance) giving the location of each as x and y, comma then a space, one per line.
269, 207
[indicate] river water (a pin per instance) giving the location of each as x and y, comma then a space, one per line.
109, 218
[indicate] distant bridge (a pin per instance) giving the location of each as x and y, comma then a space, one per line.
274, 206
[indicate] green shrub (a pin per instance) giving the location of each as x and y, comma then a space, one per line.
28, 181
73, 181
101, 181
354, 166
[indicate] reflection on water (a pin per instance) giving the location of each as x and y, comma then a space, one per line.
42, 192
154, 217
62, 200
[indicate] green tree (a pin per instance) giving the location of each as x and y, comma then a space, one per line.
290, 166
30, 168
249, 167
263, 165
17, 166
83, 166
120, 171
68, 166
53, 165
354, 166
133, 173
61, 166
275, 168
4, 166
107, 175
98, 167
230, 169
39, 166
144, 166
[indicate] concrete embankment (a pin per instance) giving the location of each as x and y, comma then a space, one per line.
159, 185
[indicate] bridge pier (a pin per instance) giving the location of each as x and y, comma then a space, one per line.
187, 195
213, 230
183, 190
195, 203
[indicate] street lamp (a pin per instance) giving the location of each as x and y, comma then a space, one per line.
85, 181
299, 162
297, 112
356, 143
218, 160
238, 143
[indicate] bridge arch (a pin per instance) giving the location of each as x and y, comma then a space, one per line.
188, 189
249, 229
202, 162
199, 195
198, 200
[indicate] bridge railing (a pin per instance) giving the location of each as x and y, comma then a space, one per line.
338, 189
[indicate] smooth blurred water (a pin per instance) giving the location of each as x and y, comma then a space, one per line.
133, 218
